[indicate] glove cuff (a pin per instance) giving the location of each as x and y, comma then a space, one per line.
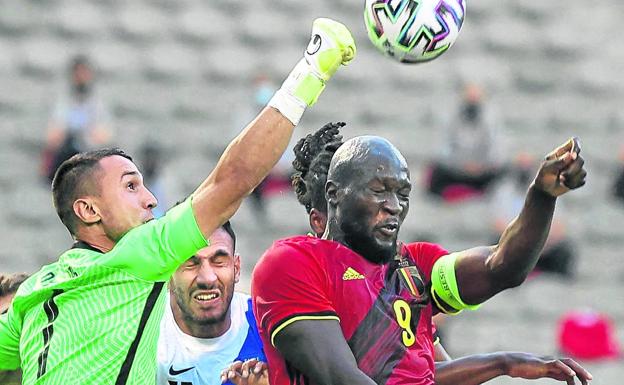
288, 105
300, 90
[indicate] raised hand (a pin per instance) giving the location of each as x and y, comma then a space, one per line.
562, 169
331, 45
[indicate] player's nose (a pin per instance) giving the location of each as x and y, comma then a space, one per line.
149, 200
206, 274
392, 204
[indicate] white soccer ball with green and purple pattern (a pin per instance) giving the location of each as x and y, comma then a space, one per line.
414, 31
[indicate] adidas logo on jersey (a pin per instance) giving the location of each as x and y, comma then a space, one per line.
351, 274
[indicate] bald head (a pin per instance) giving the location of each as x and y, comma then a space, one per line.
357, 155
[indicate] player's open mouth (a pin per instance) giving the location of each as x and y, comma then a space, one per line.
388, 230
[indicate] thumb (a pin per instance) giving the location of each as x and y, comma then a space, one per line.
571, 145
558, 164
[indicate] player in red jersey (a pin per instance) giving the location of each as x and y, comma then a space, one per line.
380, 291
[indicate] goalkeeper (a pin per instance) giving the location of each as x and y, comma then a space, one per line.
93, 316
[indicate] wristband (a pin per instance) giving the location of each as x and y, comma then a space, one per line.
291, 107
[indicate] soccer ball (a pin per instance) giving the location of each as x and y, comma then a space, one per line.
414, 31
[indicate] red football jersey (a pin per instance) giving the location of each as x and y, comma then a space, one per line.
384, 310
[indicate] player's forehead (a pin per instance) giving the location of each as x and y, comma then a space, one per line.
117, 167
367, 158
220, 243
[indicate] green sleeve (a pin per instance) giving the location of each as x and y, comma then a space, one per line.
9, 341
154, 251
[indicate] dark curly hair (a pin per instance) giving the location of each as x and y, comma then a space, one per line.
313, 155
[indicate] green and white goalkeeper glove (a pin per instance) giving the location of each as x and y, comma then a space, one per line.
330, 46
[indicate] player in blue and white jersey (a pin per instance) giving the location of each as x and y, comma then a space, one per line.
207, 325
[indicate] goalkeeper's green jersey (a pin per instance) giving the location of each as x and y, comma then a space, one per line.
93, 318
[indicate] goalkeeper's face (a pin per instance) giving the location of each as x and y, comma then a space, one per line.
202, 288
123, 201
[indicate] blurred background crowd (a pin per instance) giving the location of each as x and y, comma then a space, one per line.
172, 82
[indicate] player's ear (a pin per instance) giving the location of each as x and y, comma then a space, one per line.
331, 193
318, 222
237, 267
87, 210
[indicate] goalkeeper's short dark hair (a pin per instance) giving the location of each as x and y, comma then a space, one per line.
313, 156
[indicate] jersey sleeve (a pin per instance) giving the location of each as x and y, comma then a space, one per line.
153, 251
439, 268
425, 255
9, 341
288, 285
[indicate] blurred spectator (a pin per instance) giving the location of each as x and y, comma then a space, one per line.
9, 283
278, 180
589, 335
80, 120
617, 189
151, 157
559, 254
469, 162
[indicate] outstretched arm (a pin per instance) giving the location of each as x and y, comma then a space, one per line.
245, 162
319, 351
475, 275
327, 359
252, 154
477, 369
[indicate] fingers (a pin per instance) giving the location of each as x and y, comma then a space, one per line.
566, 369
576, 145
555, 165
557, 152
231, 372
248, 367
261, 368
573, 176
563, 368
572, 145
240, 372
582, 374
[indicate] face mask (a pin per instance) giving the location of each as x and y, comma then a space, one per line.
263, 95
82, 89
472, 112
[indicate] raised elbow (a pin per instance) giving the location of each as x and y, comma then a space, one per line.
509, 280
504, 272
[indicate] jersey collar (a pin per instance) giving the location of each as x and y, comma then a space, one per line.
84, 245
